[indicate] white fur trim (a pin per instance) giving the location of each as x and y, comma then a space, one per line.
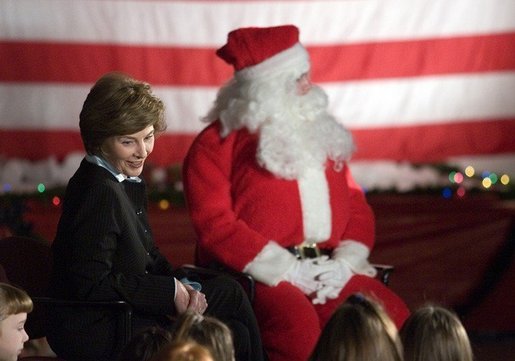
355, 254
271, 264
316, 209
295, 59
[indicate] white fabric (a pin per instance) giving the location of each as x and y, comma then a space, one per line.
316, 210
355, 254
293, 60
305, 273
333, 280
271, 264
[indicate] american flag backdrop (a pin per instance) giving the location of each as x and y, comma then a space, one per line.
416, 80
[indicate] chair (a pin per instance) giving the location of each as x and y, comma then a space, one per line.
27, 264
384, 272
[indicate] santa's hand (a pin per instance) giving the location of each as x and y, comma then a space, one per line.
305, 274
326, 292
337, 274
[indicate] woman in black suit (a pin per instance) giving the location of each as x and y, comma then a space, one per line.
104, 248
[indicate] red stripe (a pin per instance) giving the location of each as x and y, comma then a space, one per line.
391, 59
434, 143
84, 63
418, 144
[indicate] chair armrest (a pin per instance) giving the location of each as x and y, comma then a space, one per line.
383, 272
247, 281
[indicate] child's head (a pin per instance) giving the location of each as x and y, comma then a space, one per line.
207, 331
435, 333
359, 330
185, 350
145, 344
14, 306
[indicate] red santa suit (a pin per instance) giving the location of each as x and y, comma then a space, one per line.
247, 217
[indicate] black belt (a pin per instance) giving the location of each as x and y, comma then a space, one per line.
308, 250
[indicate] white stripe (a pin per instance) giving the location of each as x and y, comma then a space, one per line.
47, 106
423, 100
200, 23
42, 107
364, 104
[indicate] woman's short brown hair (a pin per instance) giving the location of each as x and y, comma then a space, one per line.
118, 105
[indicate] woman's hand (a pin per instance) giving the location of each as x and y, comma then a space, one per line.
198, 302
187, 298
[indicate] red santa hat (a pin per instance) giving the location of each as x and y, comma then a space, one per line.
261, 52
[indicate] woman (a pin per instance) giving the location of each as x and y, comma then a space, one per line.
104, 250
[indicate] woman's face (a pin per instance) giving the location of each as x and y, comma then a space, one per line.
127, 153
12, 336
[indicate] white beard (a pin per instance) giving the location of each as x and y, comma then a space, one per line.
303, 138
296, 133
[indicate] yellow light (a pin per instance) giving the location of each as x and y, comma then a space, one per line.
470, 171
164, 204
505, 179
487, 182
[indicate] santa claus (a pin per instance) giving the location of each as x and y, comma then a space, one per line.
270, 193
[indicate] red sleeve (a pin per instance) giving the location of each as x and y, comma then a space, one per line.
207, 186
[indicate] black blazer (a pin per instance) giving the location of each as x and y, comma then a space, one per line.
104, 250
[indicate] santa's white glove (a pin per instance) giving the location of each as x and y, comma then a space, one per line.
305, 273
333, 280
325, 293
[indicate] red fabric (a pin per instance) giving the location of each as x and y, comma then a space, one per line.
72, 63
296, 318
250, 46
236, 204
456, 252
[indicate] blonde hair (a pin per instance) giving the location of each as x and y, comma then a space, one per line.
207, 331
184, 350
434, 333
359, 330
13, 301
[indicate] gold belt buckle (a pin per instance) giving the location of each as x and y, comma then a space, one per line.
308, 250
